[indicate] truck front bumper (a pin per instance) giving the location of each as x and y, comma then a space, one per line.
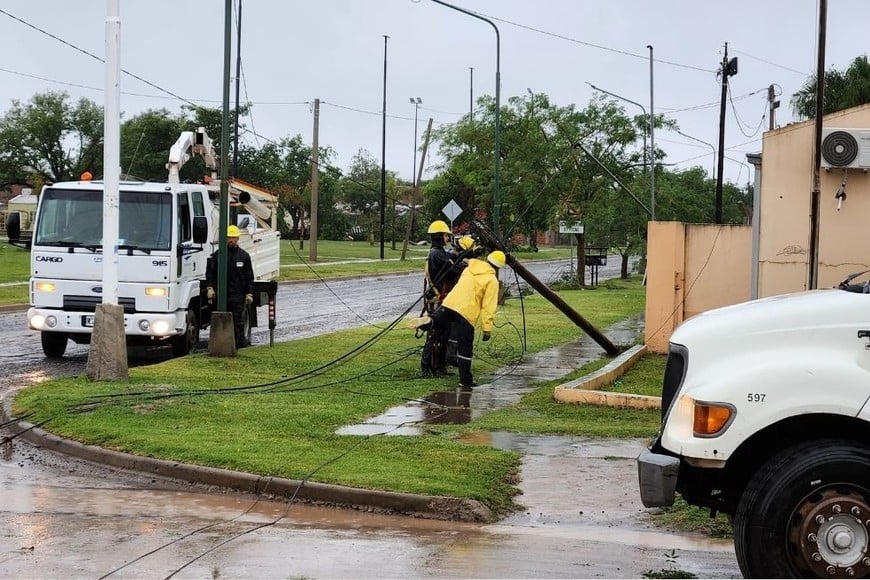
657, 477
157, 325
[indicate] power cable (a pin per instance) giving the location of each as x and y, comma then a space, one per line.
598, 46
95, 57
758, 58
740, 122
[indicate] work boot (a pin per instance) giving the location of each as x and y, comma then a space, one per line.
465, 377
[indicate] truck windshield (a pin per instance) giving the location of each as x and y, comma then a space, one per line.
74, 217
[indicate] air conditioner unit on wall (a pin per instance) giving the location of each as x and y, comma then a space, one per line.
846, 148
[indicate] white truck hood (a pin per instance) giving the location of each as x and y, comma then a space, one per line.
804, 317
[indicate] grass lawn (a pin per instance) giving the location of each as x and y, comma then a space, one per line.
275, 411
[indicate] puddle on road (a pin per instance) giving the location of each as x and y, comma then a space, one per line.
460, 406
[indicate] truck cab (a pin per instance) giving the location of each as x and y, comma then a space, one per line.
766, 417
160, 262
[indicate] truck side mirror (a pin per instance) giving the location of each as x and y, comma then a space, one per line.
200, 230
13, 226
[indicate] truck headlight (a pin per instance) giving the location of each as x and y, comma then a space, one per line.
45, 287
37, 322
710, 419
158, 291
161, 327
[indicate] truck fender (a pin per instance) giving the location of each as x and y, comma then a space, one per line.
765, 392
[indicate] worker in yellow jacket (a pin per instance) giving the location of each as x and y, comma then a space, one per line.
475, 297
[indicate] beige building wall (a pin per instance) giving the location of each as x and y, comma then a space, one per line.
784, 220
692, 268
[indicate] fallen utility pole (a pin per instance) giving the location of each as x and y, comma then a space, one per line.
490, 240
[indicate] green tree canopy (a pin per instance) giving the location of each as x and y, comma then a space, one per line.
842, 90
50, 139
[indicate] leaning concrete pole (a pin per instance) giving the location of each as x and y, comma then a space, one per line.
107, 358
490, 240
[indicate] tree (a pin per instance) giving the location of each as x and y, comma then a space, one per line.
843, 89
544, 175
285, 168
145, 143
51, 139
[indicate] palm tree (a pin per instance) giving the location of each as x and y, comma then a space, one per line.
843, 89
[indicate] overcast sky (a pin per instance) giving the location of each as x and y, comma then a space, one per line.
294, 51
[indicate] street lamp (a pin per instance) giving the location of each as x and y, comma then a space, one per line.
652, 138
416, 102
647, 159
495, 192
710, 145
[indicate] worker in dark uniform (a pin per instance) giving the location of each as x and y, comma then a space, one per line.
240, 282
442, 272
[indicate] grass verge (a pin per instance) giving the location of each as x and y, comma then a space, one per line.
275, 411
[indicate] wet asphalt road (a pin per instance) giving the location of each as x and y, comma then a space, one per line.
67, 518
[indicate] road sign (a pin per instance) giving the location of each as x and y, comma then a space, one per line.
452, 210
566, 227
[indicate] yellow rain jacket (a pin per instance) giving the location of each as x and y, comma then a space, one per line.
475, 294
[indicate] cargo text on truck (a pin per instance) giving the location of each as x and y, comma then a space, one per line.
167, 231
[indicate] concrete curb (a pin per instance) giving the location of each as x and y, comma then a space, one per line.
424, 506
585, 389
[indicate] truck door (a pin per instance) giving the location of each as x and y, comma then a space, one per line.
199, 258
188, 267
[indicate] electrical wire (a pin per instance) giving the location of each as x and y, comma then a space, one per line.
593, 45
95, 57
740, 122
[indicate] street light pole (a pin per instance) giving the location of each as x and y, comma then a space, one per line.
416, 102
495, 191
471, 93
647, 159
710, 145
384, 150
652, 139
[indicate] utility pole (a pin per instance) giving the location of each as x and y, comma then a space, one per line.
471, 94
815, 197
652, 140
774, 105
413, 207
383, 203
729, 68
315, 182
238, 83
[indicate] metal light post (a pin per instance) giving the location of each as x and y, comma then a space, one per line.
495, 191
383, 201
416, 102
652, 139
647, 158
471, 93
710, 145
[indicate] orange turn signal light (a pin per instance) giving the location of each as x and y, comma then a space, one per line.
711, 418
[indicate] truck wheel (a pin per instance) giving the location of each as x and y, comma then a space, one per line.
53, 344
806, 514
184, 343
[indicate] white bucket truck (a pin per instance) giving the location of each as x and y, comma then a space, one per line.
167, 232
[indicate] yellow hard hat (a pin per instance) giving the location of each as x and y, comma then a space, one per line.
466, 242
233, 232
497, 259
438, 227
